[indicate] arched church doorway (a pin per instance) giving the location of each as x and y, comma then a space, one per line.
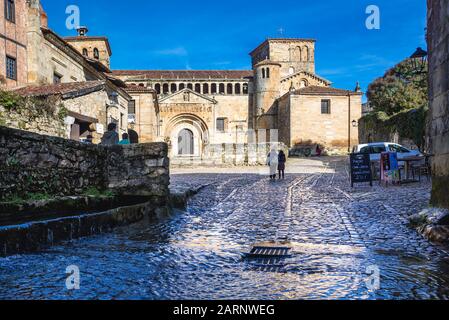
186, 144
188, 135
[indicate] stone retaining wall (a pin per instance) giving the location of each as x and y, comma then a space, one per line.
37, 235
32, 163
379, 134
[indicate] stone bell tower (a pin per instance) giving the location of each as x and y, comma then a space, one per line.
92, 47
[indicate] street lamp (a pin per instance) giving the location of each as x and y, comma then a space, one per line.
355, 123
419, 60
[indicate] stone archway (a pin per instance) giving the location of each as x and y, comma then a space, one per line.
188, 134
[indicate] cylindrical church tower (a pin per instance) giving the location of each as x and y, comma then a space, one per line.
267, 82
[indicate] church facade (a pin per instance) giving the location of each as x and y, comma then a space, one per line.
280, 99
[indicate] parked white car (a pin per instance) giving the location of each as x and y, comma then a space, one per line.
375, 150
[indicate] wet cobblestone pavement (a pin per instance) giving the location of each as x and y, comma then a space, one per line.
338, 237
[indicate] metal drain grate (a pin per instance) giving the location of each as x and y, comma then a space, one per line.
268, 257
267, 252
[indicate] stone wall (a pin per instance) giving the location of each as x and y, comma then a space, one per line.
379, 134
33, 120
90, 44
33, 163
438, 134
298, 54
308, 125
139, 170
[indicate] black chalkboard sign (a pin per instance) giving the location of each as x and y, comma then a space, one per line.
361, 169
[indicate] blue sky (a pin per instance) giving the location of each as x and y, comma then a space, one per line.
198, 34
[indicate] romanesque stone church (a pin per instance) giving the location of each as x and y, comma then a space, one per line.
281, 97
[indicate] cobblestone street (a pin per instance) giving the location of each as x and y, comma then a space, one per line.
339, 238
334, 230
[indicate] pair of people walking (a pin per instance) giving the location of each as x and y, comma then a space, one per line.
276, 161
111, 137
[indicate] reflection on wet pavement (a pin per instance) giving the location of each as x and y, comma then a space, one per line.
336, 236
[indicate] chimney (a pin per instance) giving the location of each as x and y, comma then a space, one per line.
82, 31
44, 17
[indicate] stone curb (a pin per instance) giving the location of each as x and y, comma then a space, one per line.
37, 235
179, 199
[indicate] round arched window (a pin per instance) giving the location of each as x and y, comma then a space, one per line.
96, 54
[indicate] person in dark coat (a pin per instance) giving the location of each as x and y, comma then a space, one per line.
281, 164
111, 137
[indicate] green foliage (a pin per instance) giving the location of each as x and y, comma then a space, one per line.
11, 101
63, 112
410, 124
398, 90
31, 108
16, 199
400, 102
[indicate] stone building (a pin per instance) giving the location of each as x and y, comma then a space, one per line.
281, 98
84, 102
13, 43
144, 114
438, 130
319, 115
53, 65
204, 107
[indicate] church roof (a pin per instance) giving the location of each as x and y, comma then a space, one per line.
186, 74
309, 74
316, 90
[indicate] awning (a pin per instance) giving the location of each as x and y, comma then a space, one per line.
82, 118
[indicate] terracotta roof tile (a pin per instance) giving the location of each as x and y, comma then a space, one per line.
139, 89
186, 74
315, 90
60, 89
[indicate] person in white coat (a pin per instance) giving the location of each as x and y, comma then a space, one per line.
272, 162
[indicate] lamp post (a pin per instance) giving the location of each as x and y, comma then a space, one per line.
419, 60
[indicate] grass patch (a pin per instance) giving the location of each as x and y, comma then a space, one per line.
15, 199
29, 197
95, 192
